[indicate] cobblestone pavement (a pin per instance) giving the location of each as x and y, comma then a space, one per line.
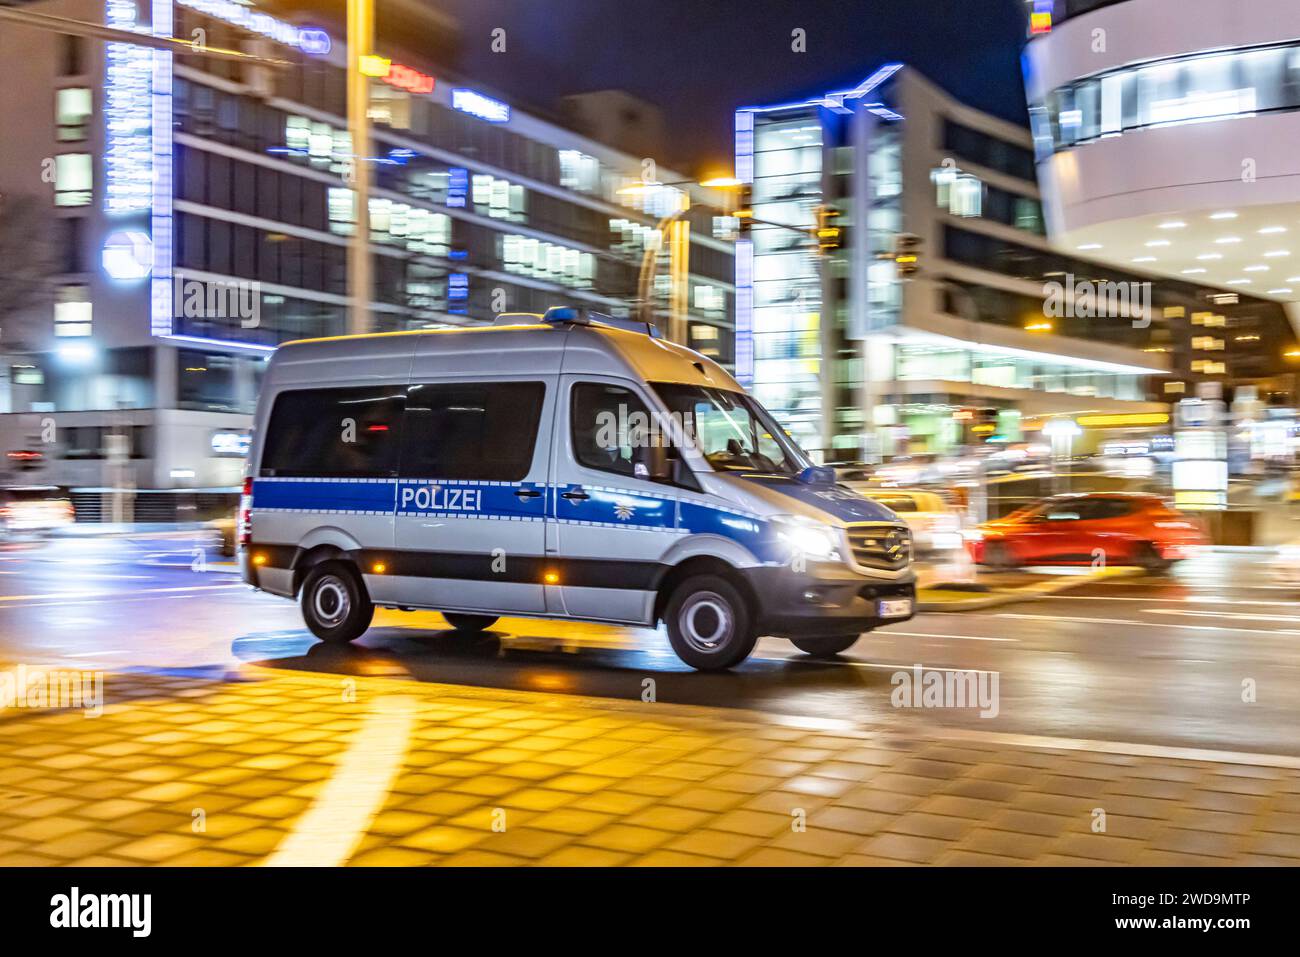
298, 768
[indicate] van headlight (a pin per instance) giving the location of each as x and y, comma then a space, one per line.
808, 538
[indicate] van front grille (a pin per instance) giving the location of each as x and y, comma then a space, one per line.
887, 547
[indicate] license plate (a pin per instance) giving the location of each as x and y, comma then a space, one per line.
896, 608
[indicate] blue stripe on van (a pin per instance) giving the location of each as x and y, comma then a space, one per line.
615, 508
743, 529
324, 495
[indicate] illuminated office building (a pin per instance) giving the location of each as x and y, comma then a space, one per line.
862, 352
167, 169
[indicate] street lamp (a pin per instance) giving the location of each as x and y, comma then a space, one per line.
679, 252
361, 64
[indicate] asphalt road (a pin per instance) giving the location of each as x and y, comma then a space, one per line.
1154, 660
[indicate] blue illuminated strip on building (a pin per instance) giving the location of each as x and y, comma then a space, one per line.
744, 261
160, 305
745, 312
457, 186
128, 157
745, 147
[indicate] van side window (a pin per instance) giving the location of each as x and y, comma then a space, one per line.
334, 433
482, 431
611, 426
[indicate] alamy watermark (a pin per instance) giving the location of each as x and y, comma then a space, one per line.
636, 429
1098, 299
25, 687
133, 912
934, 688
217, 299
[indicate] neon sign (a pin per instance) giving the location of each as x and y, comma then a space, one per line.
405, 78
314, 42
395, 74
476, 104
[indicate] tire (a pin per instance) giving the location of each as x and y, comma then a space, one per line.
469, 622
827, 646
997, 556
1150, 559
710, 624
335, 604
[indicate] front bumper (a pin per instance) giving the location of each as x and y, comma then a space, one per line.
830, 599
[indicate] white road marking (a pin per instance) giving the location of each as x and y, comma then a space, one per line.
1215, 581
851, 663
1236, 616
331, 828
924, 634
1190, 600
1286, 761
1150, 624
1071, 618
68, 595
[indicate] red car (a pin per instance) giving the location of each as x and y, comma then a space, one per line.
1075, 529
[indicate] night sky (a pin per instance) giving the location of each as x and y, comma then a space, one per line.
699, 59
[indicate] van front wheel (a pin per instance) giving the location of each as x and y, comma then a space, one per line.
825, 646
335, 604
710, 625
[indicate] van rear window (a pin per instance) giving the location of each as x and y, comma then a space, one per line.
335, 433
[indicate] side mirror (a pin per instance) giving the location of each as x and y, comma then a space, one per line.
817, 475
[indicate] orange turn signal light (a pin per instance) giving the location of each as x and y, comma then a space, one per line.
551, 578
259, 559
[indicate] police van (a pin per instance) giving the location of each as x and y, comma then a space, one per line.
568, 466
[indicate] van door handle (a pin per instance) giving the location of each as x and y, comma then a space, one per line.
577, 495
527, 493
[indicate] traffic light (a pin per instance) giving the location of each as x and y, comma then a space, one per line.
907, 253
829, 234
745, 212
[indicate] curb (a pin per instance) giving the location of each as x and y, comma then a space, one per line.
1030, 592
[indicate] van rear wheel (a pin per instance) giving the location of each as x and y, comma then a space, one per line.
827, 646
469, 622
335, 604
710, 625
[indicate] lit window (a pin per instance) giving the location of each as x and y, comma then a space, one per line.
710, 299
72, 179
72, 311
72, 111
579, 171
342, 210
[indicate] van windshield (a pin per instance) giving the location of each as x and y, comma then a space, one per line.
732, 431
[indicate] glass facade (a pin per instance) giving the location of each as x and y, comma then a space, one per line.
1189, 89
787, 291
852, 351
